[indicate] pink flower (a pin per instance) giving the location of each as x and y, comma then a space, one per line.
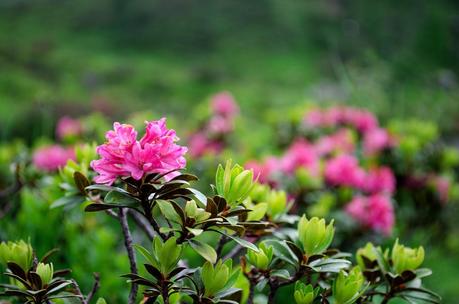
125, 156
220, 125
224, 104
380, 180
51, 158
374, 212
362, 120
68, 127
442, 186
264, 170
301, 154
340, 141
344, 170
200, 145
376, 140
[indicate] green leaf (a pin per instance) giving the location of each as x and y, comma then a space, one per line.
81, 182
67, 200
204, 250
146, 254
195, 231
101, 301
168, 210
122, 199
240, 241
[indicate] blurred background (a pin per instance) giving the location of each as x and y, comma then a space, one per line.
398, 59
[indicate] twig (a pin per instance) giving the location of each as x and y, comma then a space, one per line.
130, 251
78, 291
221, 243
94, 289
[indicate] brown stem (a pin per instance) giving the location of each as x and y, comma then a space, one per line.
130, 251
94, 289
221, 243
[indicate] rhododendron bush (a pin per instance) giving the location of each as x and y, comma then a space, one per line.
320, 217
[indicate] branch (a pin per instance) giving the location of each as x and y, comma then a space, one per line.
130, 251
94, 289
221, 243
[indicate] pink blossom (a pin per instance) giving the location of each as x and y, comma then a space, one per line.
51, 158
300, 154
264, 170
362, 120
374, 212
376, 140
224, 104
125, 156
442, 186
200, 145
344, 170
340, 141
220, 125
68, 127
380, 180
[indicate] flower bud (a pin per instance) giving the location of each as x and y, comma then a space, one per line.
215, 278
259, 192
234, 183
346, 287
192, 211
262, 258
277, 203
304, 294
19, 252
45, 271
405, 258
366, 253
314, 235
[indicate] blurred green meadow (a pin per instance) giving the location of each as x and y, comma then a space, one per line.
398, 59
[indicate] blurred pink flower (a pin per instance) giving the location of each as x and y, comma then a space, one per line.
200, 145
51, 158
264, 170
374, 212
380, 180
68, 127
224, 104
344, 170
362, 120
300, 154
123, 155
376, 140
442, 186
340, 141
220, 125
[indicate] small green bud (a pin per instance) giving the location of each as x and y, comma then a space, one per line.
305, 294
45, 271
234, 183
405, 258
215, 278
259, 192
346, 287
277, 203
19, 252
262, 258
367, 252
192, 211
314, 235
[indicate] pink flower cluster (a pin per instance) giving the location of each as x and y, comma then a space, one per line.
374, 212
442, 186
68, 127
51, 158
125, 156
211, 137
375, 138
344, 170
